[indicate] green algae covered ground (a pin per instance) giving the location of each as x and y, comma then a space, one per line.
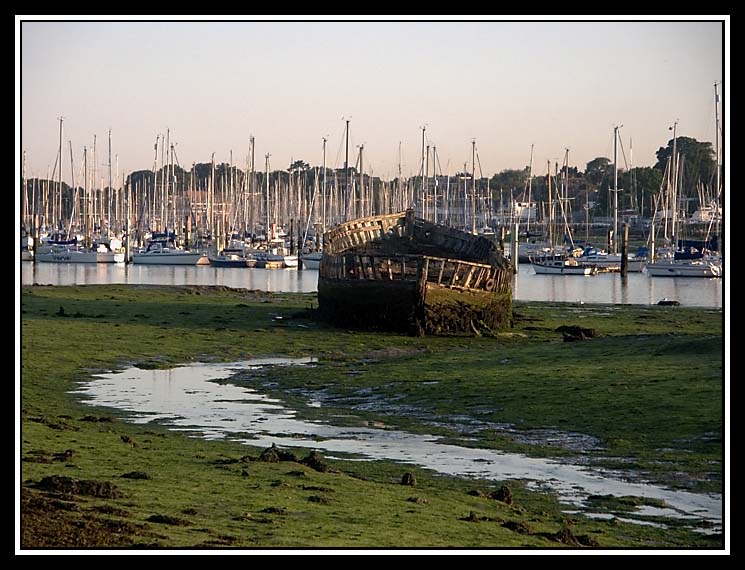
644, 386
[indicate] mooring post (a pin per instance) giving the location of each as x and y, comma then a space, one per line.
625, 250
187, 232
292, 237
35, 237
502, 232
410, 223
126, 241
514, 248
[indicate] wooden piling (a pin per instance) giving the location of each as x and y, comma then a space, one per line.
625, 250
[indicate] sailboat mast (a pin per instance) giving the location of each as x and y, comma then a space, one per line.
530, 187
252, 181
174, 197
434, 189
473, 187
361, 209
674, 177
716, 131
716, 142
24, 197
465, 195
167, 176
421, 171
400, 190
111, 185
211, 202
550, 209
96, 203
162, 222
59, 174
615, 189
565, 203
266, 177
87, 199
74, 193
346, 175
323, 189
425, 185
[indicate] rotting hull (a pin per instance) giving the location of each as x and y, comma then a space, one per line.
369, 304
403, 274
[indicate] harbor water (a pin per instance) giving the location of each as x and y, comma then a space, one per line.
635, 289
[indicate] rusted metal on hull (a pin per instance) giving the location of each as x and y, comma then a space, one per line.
401, 273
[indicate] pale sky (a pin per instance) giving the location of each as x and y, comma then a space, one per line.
507, 85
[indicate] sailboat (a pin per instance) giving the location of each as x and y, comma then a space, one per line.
561, 265
691, 258
75, 253
276, 254
162, 250
553, 263
312, 259
689, 268
62, 250
612, 261
233, 256
27, 247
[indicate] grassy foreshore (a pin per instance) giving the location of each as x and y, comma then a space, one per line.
647, 387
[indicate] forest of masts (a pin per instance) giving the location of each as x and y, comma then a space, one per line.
210, 202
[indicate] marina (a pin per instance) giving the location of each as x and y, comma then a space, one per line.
321, 283
636, 289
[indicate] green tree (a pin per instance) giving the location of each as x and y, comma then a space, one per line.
299, 165
510, 179
697, 162
598, 174
642, 184
598, 171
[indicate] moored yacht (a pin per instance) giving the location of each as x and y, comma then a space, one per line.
561, 265
232, 257
703, 267
311, 260
73, 253
162, 251
612, 261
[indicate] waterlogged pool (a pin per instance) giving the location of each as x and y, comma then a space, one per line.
187, 398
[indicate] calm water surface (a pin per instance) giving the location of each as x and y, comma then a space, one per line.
188, 399
638, 289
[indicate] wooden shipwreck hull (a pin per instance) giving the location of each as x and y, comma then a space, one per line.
401, 273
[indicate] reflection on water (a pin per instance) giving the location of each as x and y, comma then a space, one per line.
285, 280
636, 289
188, 399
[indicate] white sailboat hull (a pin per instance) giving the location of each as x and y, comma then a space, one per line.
80, 256
613, 262
684, 269
541, 269
561, 266
311, 260
169, 258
